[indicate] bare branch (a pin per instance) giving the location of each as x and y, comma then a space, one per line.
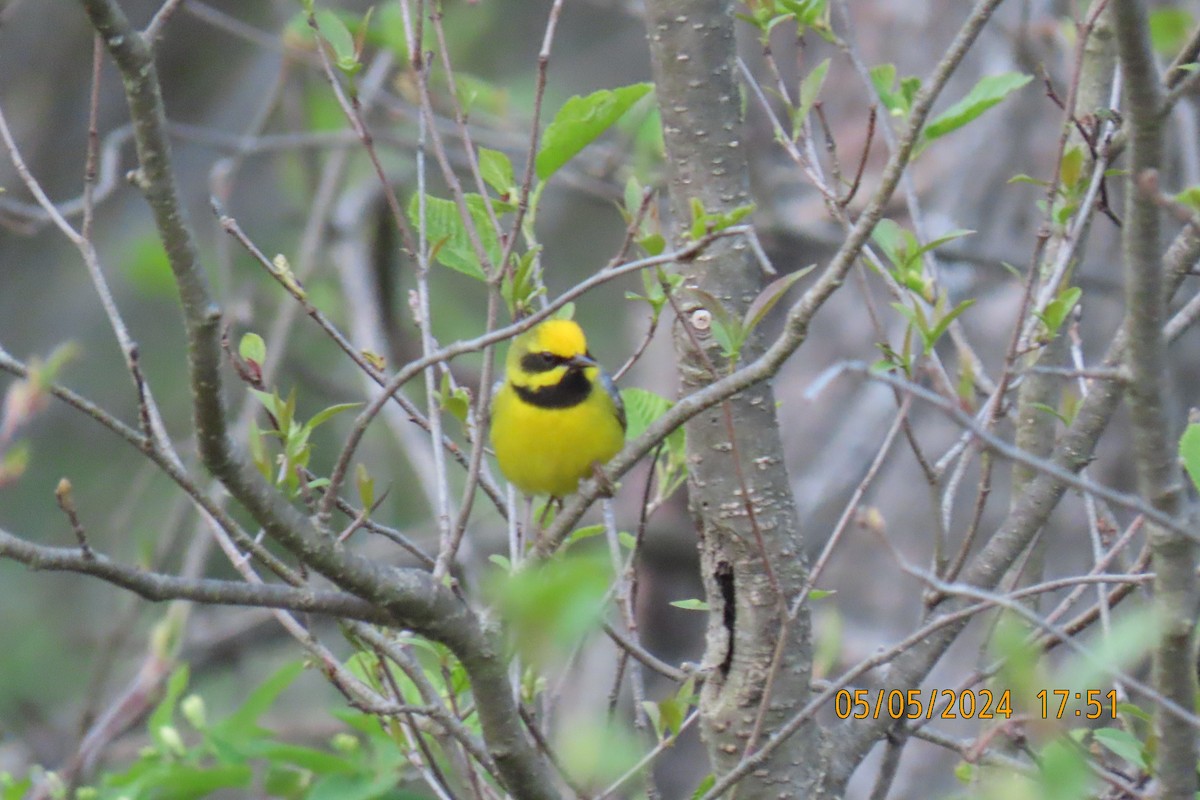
158, 587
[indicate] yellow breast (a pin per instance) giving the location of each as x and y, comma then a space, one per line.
548, 450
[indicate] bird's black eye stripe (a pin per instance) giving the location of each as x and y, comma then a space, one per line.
541, 362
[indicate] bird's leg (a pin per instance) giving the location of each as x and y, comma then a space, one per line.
544, 517
519, 534
607, 489
555, 503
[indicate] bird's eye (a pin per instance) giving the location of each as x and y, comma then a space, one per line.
540, 362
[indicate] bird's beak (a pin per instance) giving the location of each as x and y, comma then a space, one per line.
583, 361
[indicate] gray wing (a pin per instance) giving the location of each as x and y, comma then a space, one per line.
611, 388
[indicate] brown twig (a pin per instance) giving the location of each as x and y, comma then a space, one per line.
62, 494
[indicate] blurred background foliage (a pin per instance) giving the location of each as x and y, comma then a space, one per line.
222, 62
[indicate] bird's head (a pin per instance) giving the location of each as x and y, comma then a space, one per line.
545, 354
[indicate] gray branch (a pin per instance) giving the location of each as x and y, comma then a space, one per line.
1159, 479
158, 587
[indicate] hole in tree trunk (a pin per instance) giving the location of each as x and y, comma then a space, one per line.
724, 578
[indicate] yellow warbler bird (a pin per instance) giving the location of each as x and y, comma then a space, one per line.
557, 415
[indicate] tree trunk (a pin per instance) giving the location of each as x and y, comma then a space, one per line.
739, 492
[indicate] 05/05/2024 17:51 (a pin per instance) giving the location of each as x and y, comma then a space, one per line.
969, 704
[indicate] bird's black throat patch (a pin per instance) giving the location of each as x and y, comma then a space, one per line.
572, 390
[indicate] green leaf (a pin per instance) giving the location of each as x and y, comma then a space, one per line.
475, 92
550, 605
318, 761
1064, 772
649, 147
326, 414
810, 90
580, 121
632, 197
258, 452
704, 222
276, 407
731, 218
253, 348
1052, 411
243, 723
933, 244
1190, 197
364, 786
642, 407
1019, 656
691, 605
447, 234
286, 782
883, 78
654, 244
1023, 178
896, 99
1123, 744
1135, 711
1058, 309
818, 594
671, 713
988, 92
14, 462
366, 486
1064, 211
455, 399
726, 329
942, 324
369, 724
14, 790
1132, 638
908, 91
655, 716
596, 750
891, 240
811, 14
184, 782
520, 288
164, 712
1169, 29
771, 294
579, 534
699, 218
1189, 451
915, 317
1072, 166
706, 783
335, 32
730, 335
497, 170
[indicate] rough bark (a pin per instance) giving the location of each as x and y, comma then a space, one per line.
739, 492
